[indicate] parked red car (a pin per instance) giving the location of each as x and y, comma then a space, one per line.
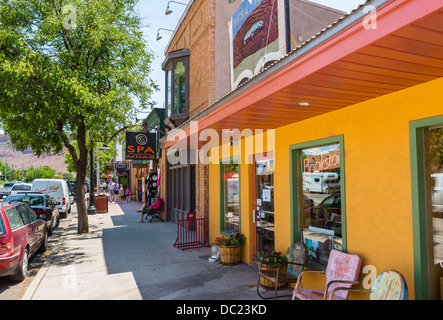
22, 234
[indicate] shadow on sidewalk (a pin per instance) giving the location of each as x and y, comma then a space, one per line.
162, 271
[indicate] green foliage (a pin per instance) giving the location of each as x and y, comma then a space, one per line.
71, 71
231, 240
39, 173
272, 259
57, 72
105, 157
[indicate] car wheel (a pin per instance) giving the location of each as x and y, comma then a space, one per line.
22, 271
44, 245
63, 215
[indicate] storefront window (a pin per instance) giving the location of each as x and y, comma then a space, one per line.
179, 88
434, 196
320, 208
168, 92
176, 67
231, 198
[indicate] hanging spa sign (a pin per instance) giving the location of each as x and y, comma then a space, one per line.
141, 146
257, 36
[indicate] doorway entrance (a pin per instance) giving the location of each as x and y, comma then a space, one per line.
427, 201
263, 202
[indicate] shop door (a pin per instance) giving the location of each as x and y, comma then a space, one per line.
181, 192
263, 203
434, 208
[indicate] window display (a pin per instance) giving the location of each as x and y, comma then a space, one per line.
434, 195
321, 206
231, 198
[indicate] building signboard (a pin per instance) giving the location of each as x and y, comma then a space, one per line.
141, 146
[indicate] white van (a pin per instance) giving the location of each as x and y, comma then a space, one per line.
58, 190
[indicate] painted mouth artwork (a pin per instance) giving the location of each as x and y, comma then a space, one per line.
253, 31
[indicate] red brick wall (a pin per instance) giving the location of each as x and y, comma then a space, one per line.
197, 34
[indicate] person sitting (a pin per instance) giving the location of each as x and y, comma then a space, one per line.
153, 208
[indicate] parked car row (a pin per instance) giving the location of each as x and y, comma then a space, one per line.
6, 189
27, 218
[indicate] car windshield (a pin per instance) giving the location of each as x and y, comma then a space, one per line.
32, 200
8, 185
21, 187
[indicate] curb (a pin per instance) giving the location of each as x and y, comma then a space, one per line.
29, 293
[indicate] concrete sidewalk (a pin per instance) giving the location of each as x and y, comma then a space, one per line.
122, 259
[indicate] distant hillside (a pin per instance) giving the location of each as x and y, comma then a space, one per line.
27, 159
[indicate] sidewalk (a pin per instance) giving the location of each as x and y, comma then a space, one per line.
125, 260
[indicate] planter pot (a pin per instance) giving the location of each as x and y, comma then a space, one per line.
230, 255
270, 285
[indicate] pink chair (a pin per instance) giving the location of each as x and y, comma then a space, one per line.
342, 271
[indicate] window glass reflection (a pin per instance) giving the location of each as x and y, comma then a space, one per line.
231, 192
434, 187
179, 88
321, 205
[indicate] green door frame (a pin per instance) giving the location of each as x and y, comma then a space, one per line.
294, 164
418, 193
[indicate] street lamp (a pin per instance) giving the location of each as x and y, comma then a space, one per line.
169, 10
158, 33
91, 207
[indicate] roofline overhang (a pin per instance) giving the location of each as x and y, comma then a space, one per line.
335, 42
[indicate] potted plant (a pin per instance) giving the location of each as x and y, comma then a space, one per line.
230, 248
272, 261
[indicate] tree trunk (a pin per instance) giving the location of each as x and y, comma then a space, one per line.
81, 164
82, 214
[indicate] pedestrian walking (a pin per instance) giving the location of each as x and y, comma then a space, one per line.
116, 191
120, 194
111, 191
128, 194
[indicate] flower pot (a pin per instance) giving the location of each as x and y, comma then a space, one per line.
230, 255
270, 285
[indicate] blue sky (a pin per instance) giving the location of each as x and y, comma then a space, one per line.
153, 12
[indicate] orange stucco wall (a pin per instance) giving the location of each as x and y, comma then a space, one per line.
377, 177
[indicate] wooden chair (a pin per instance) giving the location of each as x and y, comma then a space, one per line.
341, 272
389, 285
297, 256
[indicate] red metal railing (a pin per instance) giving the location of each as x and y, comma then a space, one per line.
191, 233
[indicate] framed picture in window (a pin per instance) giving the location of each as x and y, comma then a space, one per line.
319, 242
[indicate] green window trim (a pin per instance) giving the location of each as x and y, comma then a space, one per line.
418, 196
294, 165
235, 159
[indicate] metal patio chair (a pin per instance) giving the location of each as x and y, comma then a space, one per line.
297, 256
389, 285
341, 272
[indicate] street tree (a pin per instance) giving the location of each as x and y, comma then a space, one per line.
75, 70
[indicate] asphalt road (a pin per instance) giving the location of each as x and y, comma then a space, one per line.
11, 290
